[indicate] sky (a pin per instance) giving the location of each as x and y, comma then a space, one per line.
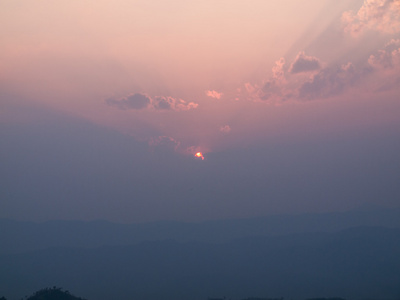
294, 107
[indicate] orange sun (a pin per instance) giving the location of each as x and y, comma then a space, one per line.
199, 154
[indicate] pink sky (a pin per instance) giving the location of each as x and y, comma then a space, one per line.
206, 75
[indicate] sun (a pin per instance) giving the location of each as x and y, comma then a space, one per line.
200, 155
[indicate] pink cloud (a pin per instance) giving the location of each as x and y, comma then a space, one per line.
324, 82
380, 15
214, 94
275, 88
170, 103
389, 57
184, 105
385, 64
225, 129
278, 73
251, 92
381, 72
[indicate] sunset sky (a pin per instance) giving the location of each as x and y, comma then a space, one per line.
295, 106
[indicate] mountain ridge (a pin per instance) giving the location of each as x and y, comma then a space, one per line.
21, 236
355, 263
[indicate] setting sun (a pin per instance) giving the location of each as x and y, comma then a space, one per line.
199, 154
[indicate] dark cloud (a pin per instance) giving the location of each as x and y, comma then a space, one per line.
134, 101
329, 82
141, 101
304, 63
164, 142
163, 103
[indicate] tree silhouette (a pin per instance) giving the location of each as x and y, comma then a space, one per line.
334, 298
53, 293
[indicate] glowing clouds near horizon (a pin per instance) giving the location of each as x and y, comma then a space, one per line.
214, 94
199, 155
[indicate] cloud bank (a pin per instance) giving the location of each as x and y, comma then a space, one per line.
328, 82
378, 15
140, 101
308, 78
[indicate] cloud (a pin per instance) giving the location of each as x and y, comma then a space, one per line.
385, 64
389, 57
304, 63
379, 15
323, 83
192, 150
170, 103
250, 92
275, 88
163, 103
180, 105
164, 143
225, 129
381, 72
214, 94
329, 82
278, 73
135, 101
141, 101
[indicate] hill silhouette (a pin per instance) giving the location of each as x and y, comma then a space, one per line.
53, 293
357, 263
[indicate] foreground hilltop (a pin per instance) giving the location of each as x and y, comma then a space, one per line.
356, 263
53, 293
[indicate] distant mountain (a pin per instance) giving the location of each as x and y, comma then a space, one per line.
17, 237
356, 263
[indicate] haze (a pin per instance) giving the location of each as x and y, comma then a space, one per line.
294, 105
